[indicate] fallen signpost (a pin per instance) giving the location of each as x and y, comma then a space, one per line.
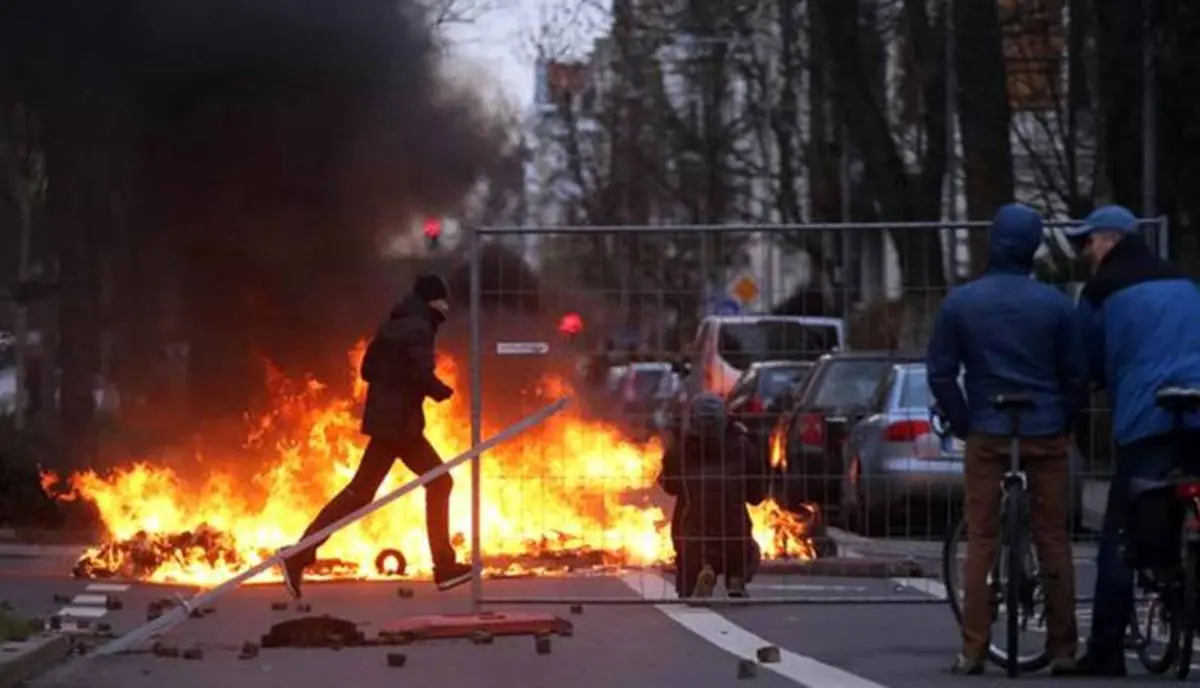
181, 612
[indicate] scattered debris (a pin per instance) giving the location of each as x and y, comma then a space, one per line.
249, 650
405, 592
104, 628
397, 659
482, 638
747, 669
768, 654
542, 645
303, 607
62, 599
567, 631
162, 650
209, 609
193, 653
279, 606
577, 609
313, 631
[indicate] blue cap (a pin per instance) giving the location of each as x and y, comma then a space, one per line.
1114, 218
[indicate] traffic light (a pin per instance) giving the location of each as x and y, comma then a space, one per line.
432, 229
570, 324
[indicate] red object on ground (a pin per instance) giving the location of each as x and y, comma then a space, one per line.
442, 626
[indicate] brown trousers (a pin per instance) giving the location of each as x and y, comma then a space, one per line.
1045, 463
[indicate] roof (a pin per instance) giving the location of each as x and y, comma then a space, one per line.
758, 365
896, 356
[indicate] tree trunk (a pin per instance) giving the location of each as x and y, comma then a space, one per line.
984, 116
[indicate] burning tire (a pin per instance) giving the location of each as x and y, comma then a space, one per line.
391, 562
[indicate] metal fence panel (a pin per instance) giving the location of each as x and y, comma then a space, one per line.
577, 503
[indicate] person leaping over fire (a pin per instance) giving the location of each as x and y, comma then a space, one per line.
399, 369
713, 471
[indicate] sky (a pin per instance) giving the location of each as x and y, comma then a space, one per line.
499, 49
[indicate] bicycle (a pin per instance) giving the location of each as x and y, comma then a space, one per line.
1173, 589
1015, 579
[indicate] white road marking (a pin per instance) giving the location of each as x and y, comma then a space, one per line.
734, 639
88, 612
107, 587
101, 600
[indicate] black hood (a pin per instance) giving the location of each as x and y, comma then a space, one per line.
413, 306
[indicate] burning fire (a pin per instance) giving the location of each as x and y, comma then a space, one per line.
570, 490
775, 450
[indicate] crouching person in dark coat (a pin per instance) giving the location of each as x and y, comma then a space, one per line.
399, 368
712, 470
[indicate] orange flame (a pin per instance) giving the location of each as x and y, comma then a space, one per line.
775, 449
571, 484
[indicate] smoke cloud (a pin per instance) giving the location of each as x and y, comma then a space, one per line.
273, 141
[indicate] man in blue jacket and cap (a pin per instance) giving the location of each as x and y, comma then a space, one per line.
1011, 334
1140, 319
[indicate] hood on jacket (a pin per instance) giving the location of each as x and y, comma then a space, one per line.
413, 306
706, 415
1014, 239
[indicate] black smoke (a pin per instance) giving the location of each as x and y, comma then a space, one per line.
264, 146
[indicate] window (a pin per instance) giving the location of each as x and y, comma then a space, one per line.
772, 340
777, 382
848, 382
915, 393
1034, 47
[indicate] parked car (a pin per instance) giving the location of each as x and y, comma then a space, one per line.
899, 469
726, 345
833, 398
759, 396
638, 387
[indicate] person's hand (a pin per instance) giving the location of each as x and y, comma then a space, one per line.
739, 427
442, 392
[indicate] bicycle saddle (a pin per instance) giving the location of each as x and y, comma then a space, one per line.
1013, 402
1179, 399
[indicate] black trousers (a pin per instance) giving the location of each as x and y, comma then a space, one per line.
420, 457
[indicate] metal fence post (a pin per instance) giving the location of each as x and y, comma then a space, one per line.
476, 354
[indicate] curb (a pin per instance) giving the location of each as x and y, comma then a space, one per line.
20, 661
841, 567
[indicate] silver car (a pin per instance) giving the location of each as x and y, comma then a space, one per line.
894, 460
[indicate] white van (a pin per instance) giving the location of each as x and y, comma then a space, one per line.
726, 345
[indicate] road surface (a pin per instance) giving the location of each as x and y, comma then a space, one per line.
823, 645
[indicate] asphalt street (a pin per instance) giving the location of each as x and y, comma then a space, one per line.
907, 644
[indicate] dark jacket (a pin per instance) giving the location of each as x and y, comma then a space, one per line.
1011, 334
399, 369
1140, 319
712, 479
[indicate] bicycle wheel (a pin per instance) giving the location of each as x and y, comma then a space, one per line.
956, 540
1149, 641
1012, 554
1187, 614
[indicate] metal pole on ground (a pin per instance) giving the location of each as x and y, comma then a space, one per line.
181, 613
476, 354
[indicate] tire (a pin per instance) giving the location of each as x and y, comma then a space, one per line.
1187, 621
1157, 664
1012, 553
955, 536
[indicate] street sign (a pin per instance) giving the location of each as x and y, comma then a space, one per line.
726, 307
522, 348
744, 288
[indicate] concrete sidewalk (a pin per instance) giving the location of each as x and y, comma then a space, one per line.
1095, 496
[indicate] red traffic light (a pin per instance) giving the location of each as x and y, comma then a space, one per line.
432, 227
571, 323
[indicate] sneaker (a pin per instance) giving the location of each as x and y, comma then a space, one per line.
965, 666
1093, 664
706, 582
451, 575
293, 576
736, 587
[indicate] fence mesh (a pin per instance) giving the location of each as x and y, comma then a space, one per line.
859, 493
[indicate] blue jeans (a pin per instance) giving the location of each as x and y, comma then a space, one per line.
1149, 459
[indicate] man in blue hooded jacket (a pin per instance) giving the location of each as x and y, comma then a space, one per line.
1140, 318
1011, 334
